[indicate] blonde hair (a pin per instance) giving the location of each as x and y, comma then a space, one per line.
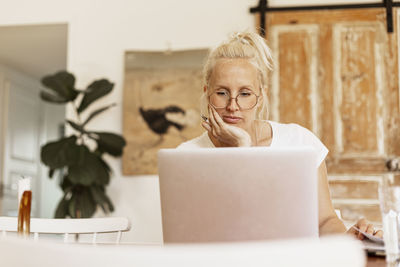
243, 45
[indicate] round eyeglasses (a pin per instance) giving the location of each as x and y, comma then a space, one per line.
245, 99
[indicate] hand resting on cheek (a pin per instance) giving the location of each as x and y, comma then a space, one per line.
227, 135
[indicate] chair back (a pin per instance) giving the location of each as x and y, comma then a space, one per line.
326, 252
69, 227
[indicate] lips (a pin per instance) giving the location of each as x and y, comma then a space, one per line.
231, 119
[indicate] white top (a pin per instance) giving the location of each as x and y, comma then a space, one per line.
283, 135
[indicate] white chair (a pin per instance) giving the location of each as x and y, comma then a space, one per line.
69, 227
327, 252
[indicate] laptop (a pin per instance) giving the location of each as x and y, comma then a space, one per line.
238, 194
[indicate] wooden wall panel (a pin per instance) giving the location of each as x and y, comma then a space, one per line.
326, 89
297, 96
336, 73
352, 211
357, 195
392, 95
354, 189
358, 90
293, 59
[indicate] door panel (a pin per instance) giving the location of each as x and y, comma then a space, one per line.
21, 122
336, 73
2, 119
300, 64
358, 89
24, 127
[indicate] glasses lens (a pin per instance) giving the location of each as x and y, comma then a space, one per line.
219, 99
245, 100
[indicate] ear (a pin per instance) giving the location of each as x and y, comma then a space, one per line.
205, 88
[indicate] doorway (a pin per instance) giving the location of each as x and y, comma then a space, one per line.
28, 53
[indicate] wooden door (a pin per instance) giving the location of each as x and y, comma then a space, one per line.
336, 73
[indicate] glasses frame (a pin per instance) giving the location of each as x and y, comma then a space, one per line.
236, 100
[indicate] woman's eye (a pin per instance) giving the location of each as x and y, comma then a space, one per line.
244, 94
222, 93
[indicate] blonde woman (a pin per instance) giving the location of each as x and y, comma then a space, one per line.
235, 83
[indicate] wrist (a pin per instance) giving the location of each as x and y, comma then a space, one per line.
244, 143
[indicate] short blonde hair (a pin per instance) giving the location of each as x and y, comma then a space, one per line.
244, 45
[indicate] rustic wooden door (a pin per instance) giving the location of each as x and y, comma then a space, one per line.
336, 73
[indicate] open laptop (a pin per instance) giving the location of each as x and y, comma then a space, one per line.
238, 194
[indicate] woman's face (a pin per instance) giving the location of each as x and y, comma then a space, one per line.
235, 77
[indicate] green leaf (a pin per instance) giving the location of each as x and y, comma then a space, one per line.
97, 112
77, 127
62, 83
82, 176
110, 143
105, 165
72, 206
52, 98
109, 203
51, 173
99, 196
66, 185
90, 169
95, 90
60, 153
85, 203
103, 177
98, 152
62, 209
81, 173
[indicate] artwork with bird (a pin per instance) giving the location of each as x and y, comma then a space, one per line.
158, 122
161, 110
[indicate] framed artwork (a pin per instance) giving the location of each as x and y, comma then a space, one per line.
161, 105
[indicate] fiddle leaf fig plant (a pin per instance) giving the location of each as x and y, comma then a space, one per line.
80, 157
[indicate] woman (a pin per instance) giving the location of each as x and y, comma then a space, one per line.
235, 79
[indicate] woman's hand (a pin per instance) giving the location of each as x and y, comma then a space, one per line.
364, 226
227, 134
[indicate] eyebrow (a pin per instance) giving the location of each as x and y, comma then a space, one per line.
241, 87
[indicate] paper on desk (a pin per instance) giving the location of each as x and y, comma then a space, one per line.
373, 247
369, 236
371, 243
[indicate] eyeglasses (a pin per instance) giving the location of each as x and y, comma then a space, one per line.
245, 99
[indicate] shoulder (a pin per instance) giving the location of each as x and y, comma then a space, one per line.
202, 141
284, 126
293, 134
291, 130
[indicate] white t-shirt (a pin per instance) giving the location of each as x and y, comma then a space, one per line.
283, 135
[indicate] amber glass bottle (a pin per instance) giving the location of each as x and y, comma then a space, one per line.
24, 214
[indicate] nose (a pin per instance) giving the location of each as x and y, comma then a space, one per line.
232, 105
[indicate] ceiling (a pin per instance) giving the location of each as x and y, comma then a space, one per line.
36, 50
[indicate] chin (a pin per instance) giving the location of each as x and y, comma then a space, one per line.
235, 122
239, 124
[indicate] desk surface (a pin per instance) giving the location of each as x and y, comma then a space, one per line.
374, 261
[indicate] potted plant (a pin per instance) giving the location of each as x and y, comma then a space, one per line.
80, 156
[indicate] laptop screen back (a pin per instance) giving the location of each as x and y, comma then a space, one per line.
238, 194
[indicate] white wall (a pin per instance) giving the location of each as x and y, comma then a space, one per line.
99, 34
